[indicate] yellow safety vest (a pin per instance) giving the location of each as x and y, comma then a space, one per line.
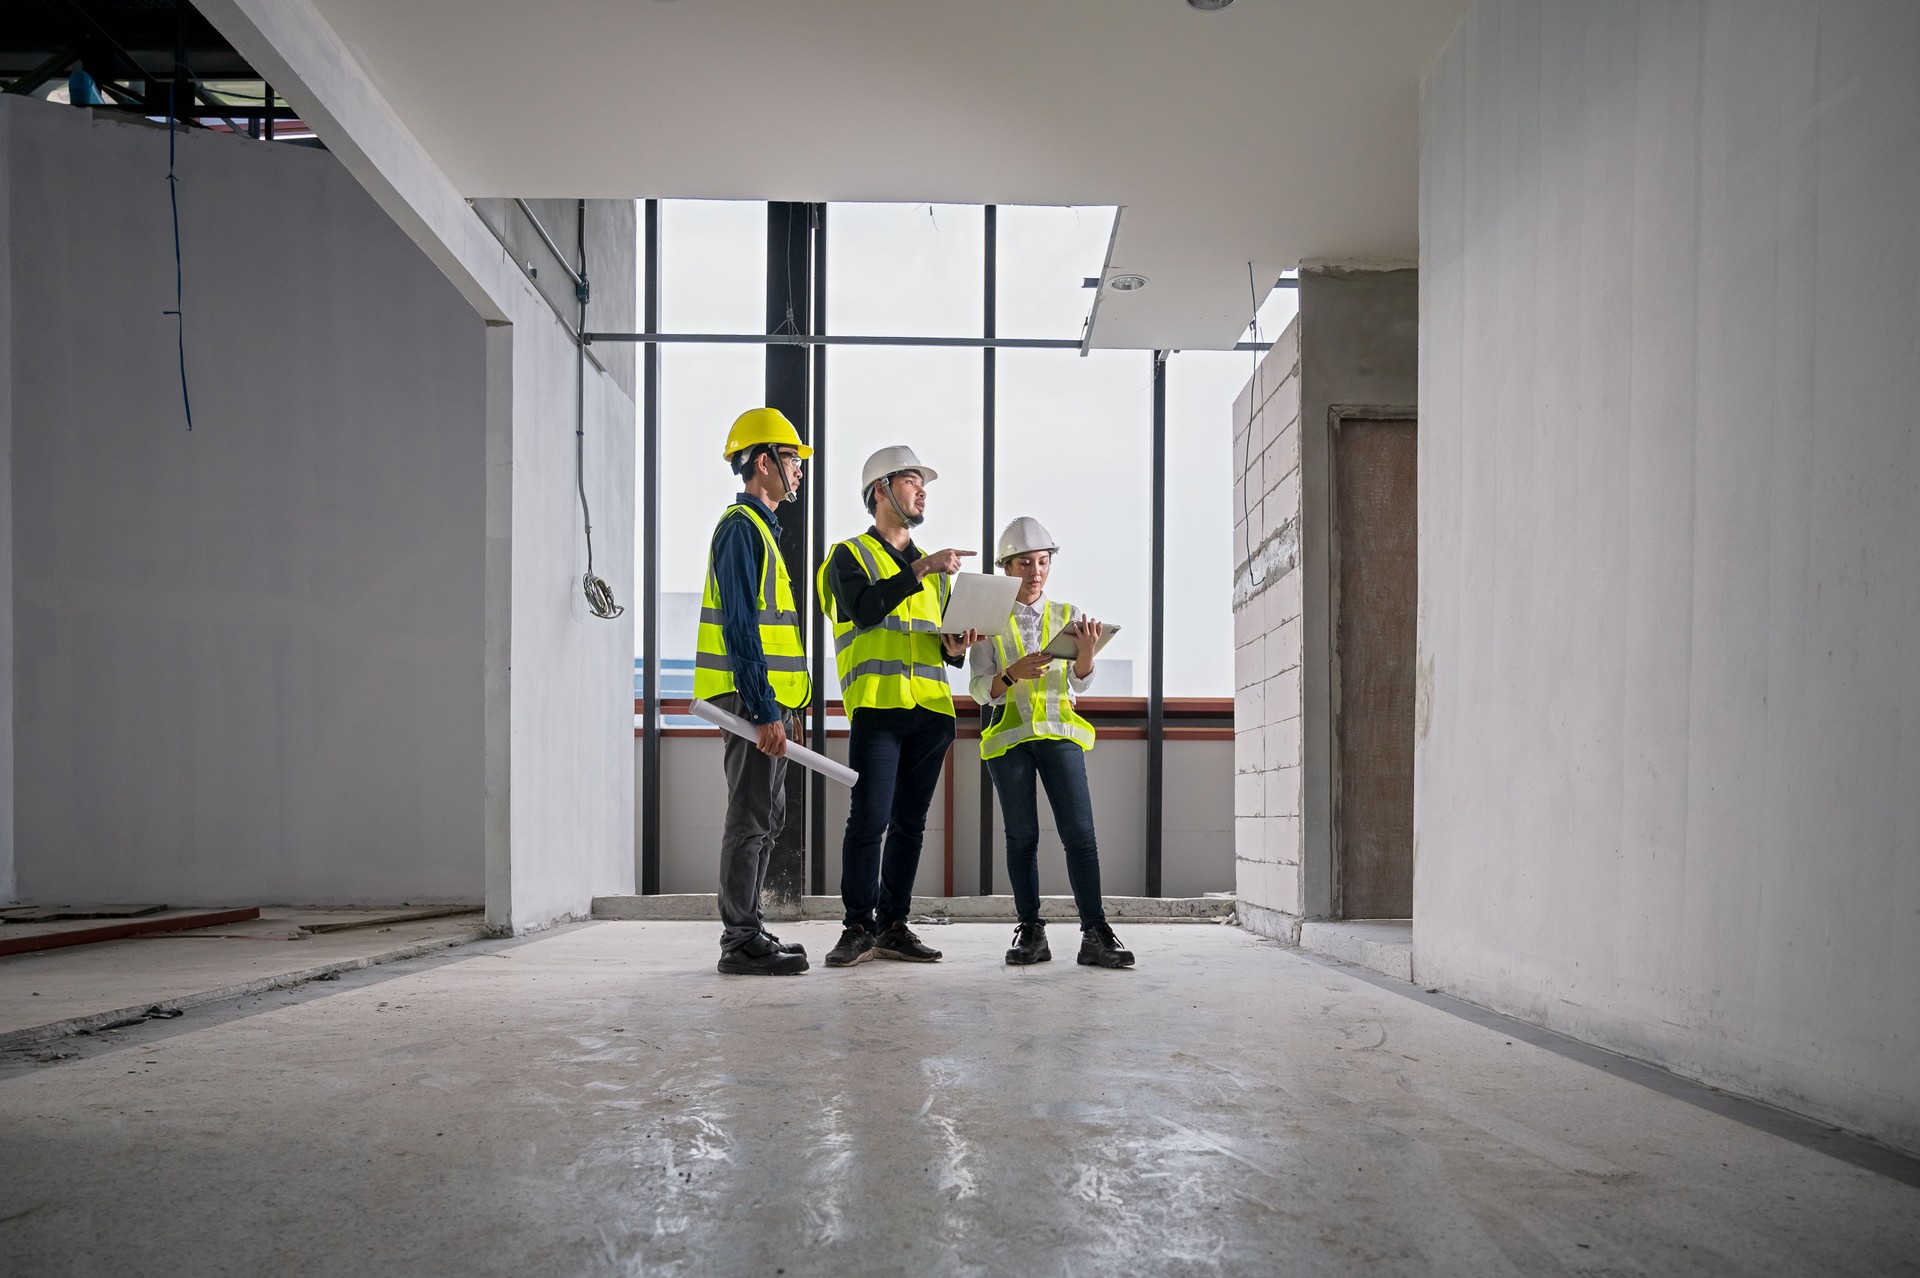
899, 663
1039, 708
780, 641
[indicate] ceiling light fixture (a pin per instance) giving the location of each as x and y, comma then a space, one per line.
1208, 6
1127, 283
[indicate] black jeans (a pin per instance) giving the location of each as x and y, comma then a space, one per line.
899, 755
756, 811
1060, 767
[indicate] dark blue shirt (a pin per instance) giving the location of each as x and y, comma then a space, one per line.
739, 557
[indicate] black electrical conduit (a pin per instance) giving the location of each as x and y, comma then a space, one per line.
173, 199
599, 594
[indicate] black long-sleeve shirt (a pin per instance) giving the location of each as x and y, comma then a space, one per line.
866, 602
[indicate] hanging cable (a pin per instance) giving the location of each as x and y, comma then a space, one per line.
599, 594
1253, 400
179, 275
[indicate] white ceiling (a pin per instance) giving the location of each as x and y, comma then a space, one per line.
1275, 131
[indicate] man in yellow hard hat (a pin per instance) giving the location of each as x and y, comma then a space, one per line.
885, 600
751, 662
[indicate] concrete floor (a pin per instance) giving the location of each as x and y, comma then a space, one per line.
40, 990
597, 1101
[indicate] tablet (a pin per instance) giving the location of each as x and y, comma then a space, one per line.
1065, 645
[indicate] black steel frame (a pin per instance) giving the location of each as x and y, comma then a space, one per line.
817, 634
989, 484
650, 566
1157, 611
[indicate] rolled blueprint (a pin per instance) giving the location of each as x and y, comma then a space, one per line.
798, 753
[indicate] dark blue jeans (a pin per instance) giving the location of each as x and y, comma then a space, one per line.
1060, 768
899, 755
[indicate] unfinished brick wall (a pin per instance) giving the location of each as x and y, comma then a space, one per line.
1267, 598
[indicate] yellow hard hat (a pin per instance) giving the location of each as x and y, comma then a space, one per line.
762, 426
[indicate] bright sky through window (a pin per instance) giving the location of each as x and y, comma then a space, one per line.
1073, 434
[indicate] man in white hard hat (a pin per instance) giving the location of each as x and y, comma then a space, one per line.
885, 599
1037, 734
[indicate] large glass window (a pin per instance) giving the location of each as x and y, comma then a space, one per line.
905, 269
1201, 388
713, 266
927, 398
713, 279
1073, 434
1045, 257
1073, 448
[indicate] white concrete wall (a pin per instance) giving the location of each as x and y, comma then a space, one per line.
558, 784
1197, 854
249, 656
1268, 753
1669, 755
569, 674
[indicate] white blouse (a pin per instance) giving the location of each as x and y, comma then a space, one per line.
983, 660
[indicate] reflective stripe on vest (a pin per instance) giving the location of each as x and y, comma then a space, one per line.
899, 663
780, 642
1036, 709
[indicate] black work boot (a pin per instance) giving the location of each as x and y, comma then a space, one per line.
898, 943
1099, 947
760, 956
1029, 945
855, 946
785, 947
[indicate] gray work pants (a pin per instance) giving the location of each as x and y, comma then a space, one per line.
756, 809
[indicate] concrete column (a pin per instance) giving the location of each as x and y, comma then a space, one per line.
1352, 345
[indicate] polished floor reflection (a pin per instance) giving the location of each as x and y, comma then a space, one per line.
597, 1100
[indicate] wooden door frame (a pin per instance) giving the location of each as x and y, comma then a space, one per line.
1338, 415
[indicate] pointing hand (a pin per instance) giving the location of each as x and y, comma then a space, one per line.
947, 561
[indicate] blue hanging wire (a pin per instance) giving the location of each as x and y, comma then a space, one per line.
173, 196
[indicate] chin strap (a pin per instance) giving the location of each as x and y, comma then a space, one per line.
911, 521
787, 493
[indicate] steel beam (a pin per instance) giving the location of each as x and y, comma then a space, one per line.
831, 339
989, 329
790, 311
817, 632
650, 567
1157, 614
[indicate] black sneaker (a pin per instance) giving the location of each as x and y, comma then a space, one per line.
1099, 947
785, 947
856, 946
768, 962
1029, 945
898, 943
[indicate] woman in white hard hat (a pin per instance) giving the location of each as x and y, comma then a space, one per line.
1039, 736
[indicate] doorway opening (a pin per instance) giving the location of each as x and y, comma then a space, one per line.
1375, 586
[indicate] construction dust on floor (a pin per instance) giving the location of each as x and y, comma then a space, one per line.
596, 1100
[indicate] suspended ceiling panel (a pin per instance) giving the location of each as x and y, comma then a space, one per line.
1272, 132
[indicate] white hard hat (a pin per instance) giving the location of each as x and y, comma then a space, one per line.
1023, 536
891, 461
